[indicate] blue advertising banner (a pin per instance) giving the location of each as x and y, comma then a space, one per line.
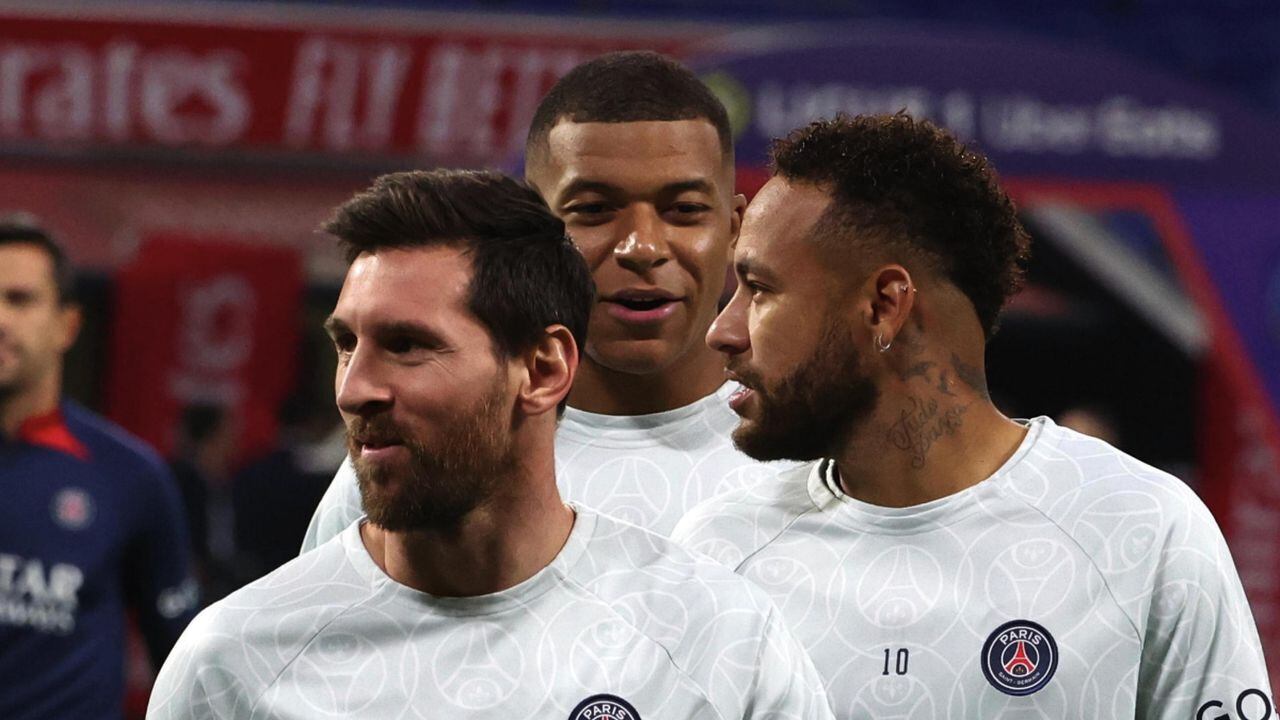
1035, 107
1238, 240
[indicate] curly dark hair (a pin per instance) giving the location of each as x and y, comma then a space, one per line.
917, 191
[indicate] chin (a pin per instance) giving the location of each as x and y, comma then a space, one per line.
757, 443
635, 357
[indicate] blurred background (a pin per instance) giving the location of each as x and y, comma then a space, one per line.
185, 152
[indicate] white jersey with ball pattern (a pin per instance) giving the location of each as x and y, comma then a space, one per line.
622, 624
1076, 582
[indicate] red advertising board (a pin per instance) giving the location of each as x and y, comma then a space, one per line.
208, 321
451, 91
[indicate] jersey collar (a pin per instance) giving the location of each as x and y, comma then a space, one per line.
50, 431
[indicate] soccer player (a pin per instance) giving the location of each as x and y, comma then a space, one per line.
472, 590
936, 558
91, 523
635, 153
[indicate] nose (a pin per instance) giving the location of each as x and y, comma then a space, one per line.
359, 387
728, 333
644, 246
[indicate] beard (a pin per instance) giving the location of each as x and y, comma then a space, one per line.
806, 414
447, 477
15, 373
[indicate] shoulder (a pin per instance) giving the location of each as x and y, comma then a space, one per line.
1140, 527
710, 622
112, 448
1085, 485
732, 526
667, 593
292, 603
257, 630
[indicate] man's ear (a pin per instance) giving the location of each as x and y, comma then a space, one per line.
891, 294
550, 367
736, 213
70, 319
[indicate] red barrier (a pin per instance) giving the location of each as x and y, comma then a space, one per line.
204, 321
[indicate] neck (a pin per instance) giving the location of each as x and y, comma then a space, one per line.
934, 433
598, 389
40, 399
500, 544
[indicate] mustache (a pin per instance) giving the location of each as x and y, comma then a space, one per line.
744, 377
379, 430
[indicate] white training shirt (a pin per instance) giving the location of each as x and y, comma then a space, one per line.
1076, 582
646, 469
622, 625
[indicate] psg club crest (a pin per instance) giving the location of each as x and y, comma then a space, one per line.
604, 707
72, 508
1019, 658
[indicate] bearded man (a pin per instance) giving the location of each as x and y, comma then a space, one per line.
470, 589
935, 557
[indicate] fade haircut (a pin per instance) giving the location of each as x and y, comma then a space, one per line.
526, 274
21, 230
621, 87
916, 192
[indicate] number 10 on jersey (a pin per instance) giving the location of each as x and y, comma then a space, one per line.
899, 661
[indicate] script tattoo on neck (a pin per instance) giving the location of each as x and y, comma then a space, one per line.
921, 424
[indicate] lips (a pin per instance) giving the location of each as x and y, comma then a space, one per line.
380, 451
642, 305
739, 398
745, 392
373, 439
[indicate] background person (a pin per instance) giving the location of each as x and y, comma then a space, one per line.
91, 524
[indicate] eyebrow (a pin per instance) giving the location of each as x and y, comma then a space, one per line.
749, 266
422, 333
417, 331
582, 185
697, 185
334, 326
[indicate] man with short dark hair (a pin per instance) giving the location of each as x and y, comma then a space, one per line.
936, 558
470, 589
91, 524
635, 154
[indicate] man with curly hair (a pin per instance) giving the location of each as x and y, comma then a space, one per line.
937, 558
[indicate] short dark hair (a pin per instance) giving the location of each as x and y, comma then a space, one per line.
916, 190
19, 230
526, 273
631, 86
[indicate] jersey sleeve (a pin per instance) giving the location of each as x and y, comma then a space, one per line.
158, 582
339, 507
197, 682
1201, 654
787, 686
